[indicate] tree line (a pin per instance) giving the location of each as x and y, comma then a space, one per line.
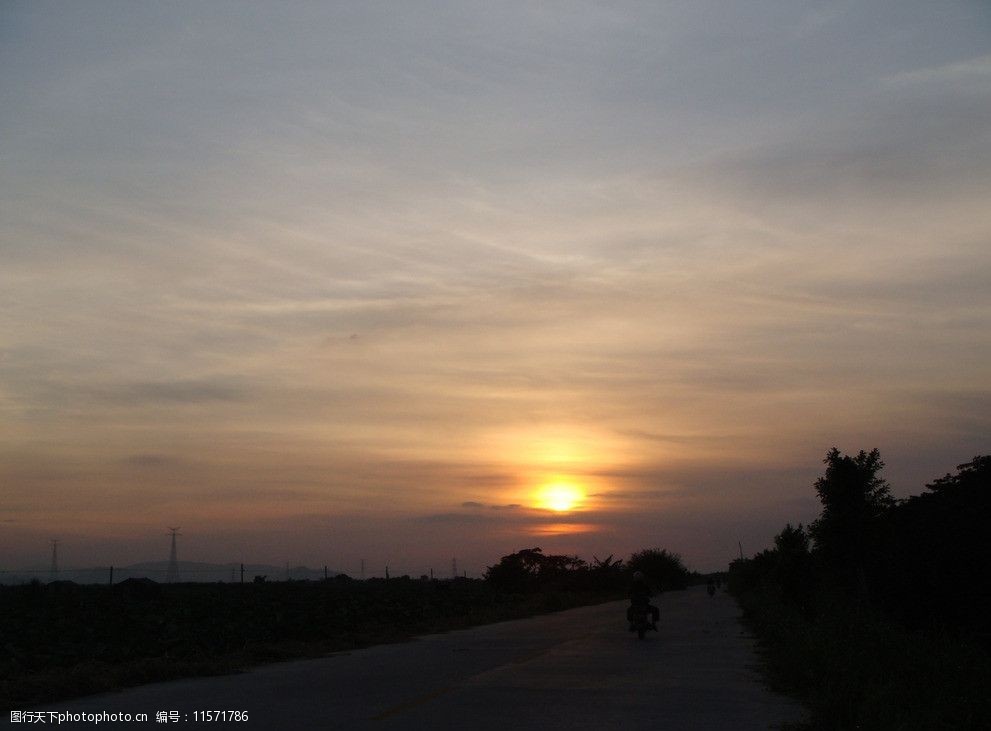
876, 613
530, 570
921, 561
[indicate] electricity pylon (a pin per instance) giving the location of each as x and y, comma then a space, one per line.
172, 575
53, 571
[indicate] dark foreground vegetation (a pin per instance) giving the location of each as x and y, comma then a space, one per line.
62, 639
877, 614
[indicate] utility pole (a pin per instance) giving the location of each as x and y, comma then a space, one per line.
172, 575
738, 543
454, 568
53, 571
111, 576
242, 573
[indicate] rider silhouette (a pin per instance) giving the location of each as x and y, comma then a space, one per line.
640, 593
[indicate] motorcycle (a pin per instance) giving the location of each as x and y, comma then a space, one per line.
640, 620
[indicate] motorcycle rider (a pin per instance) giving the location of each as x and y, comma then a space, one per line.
640, 593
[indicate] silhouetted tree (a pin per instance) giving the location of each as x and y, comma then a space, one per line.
972, 480
530, 569
516, 572
607, 575
793, 571
607, 564
752, 574
792, 540
662, 568
853, 499
936, 552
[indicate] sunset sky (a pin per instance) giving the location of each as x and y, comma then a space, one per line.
403, 281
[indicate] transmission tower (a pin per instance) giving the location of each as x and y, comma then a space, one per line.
172, 575
53, 571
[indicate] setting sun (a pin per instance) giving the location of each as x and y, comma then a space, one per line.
560, 496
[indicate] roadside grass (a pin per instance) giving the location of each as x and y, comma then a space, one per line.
59, 642
856, 670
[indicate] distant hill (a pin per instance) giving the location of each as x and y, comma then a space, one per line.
189, 571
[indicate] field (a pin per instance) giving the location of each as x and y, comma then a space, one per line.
64, 640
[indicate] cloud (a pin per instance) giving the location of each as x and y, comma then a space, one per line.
174, 392
457, 518
152, 461
641, 495
977, 68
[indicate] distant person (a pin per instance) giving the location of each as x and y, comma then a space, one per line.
711, 587
640, 593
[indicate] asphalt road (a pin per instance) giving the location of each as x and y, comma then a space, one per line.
578, 669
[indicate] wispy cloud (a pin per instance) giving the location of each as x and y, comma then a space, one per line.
177, 392
977, 68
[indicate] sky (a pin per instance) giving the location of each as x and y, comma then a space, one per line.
407, 281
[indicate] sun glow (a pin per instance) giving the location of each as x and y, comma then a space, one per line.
560, 496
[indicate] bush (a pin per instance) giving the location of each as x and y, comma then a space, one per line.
855, 669
665, 570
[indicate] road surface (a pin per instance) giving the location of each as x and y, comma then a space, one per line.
578, 669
